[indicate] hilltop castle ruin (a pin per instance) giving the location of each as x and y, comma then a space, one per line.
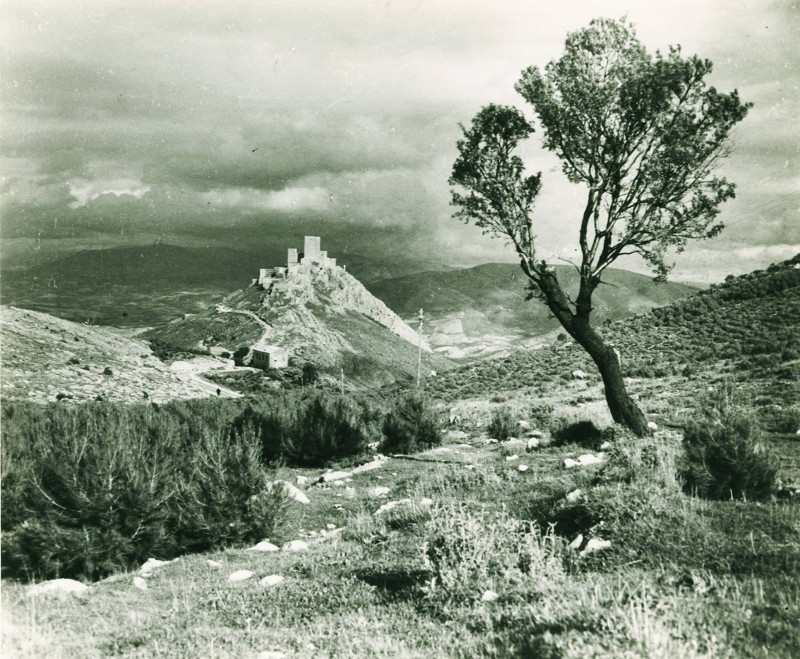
274, 279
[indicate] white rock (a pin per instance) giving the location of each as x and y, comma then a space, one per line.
272, 580
569, 463
58, 587
514, 441
574, 495
464, 446
214, 564
489, 596
301, 480
595, 544
241, 575
291, 491
533, 443
295, 545
151, 565
577, 542
140, 583
509, 458
425, 502
491, 441
588, 459
263, 546
605, 445
334, 476
536, 433
524, 425
330, 526
522, 467
369, 466
579, 374
652, 425
379, 491
391, 505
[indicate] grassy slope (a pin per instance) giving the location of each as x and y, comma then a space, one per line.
683, 577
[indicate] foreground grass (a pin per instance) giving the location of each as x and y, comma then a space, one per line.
683, 577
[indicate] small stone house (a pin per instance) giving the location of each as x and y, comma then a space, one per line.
269, 356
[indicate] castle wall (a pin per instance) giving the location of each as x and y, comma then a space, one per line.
311, 248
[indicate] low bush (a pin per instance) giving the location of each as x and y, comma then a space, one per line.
311, 430
411, 425
91, 489
724, 456
584, 433
502, 425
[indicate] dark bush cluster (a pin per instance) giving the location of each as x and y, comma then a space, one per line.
502, 424
411, 425
101, 487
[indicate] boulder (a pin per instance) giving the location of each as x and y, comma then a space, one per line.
573, 496
291, 491
588, 459
536, 433
569, 463
379, 491
533, 443
578, 374
524, 425
214, 564
295, 545
377, 463
522, 467
301, 480
272, 580
391, 505
489, 596
514, 441
510, 458
577, 542
595, 544
140, 583
151, 565
263, 546
241, 575
59, 588
652, 425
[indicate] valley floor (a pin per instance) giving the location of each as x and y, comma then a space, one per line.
458, 570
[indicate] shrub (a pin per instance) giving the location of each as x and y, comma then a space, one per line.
724, 458
584, 433
502, 425
467, 553
91, 489
411, 425
310, 431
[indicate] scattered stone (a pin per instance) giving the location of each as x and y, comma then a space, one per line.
522, 467
295, 545
577, 542
58, 587
469, 466
652, 425
241, 575
464, 446
489, 596
569, 463
491, 441
214, 564
595, 544
379, 491
140, 583
334, 476
291, 491
391, 505
578, 374
151, 565
605, 445
573, 496
536, 433
301, 480
272, 580
588, 459
509, 458
514, 441
330, 526
533, 443
425, 502
524, 425
263, 546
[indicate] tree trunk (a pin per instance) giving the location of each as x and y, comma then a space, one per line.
623, 409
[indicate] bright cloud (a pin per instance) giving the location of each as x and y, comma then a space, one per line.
85, 191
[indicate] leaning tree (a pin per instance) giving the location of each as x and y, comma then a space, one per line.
642, 133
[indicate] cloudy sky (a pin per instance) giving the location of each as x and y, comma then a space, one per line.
210, 121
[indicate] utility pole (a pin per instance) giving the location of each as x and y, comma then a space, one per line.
419, 349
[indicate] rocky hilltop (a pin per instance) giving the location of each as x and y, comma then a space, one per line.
45, 358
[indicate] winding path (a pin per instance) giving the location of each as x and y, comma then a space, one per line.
221, 308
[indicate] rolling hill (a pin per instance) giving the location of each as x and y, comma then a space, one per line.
484, 310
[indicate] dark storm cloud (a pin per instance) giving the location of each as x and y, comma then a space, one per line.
133, 118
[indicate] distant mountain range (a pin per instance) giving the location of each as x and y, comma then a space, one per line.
485, 310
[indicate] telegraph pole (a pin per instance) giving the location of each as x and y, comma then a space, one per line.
419, 349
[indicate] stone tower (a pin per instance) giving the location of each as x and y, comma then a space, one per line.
311, 249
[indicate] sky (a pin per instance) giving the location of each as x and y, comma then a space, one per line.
205, 122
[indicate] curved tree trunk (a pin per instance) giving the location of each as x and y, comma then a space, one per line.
623, 409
